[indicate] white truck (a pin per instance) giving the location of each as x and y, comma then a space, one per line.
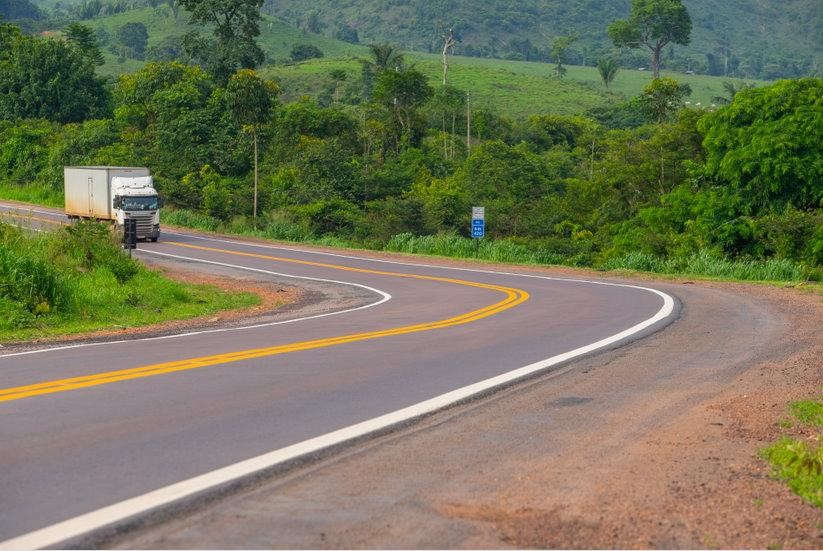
116, 194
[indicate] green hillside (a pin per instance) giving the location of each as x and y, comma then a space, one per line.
276, 38
516, 88
764, 38
512, 87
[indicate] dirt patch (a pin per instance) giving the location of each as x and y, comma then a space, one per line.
698, 482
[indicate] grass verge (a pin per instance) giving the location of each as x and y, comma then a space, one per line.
35, 194
702, 264
708, 264
77, 280
798, 461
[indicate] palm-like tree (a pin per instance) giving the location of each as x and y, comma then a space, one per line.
385, 57
607, 67
731, 91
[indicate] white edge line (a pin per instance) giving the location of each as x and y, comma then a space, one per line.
385, 298
112, 514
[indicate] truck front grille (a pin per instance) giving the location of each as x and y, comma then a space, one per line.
144, 223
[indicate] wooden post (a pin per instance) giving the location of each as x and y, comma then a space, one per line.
468, 125
255, 177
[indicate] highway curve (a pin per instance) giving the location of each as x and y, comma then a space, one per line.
98, 433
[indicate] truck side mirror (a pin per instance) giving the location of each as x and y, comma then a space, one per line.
118, 202
160, 202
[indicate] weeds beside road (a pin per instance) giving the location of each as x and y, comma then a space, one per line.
77, 280
799, 460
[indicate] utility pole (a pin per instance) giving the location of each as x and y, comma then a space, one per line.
256, 177
468, 124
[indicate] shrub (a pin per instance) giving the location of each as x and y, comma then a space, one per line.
94, 245
302, 52
33, 283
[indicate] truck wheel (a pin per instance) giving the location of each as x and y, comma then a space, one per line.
153, 239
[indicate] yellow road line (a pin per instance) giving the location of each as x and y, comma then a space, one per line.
513, 298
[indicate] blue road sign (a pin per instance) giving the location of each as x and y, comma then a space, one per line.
478, 228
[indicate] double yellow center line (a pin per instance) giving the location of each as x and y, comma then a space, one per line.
513, 297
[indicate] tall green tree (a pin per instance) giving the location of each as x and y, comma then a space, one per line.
607, 67
766, 144
135, 37
663, 97
251, 101
402, 93
653, 24
41, 78
85, 40
236, 26
385, 57
560, 49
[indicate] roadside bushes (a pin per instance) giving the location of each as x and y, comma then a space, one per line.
94, 247
30, 285
41, 275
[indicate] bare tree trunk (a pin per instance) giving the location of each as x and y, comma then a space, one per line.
448, 45
656, 50
662, 173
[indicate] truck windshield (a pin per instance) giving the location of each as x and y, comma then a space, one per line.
140, 203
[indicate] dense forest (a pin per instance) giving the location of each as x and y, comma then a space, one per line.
650, 183
388, 160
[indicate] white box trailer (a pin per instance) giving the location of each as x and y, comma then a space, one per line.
113, 193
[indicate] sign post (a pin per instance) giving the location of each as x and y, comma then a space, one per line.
130, 234
478, 227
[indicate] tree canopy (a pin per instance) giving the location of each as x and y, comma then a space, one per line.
41, 78
84, 39
653, 24
767, 144
236, 26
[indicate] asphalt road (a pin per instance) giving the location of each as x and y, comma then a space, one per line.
95, 433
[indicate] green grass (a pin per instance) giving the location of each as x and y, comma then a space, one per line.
277, 38
36, 194
800, 465
514, 88
797, 462
77, 280
450, 245
808, 412
702, 264
706, 263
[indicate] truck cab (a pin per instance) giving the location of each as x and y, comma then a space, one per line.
135, 198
